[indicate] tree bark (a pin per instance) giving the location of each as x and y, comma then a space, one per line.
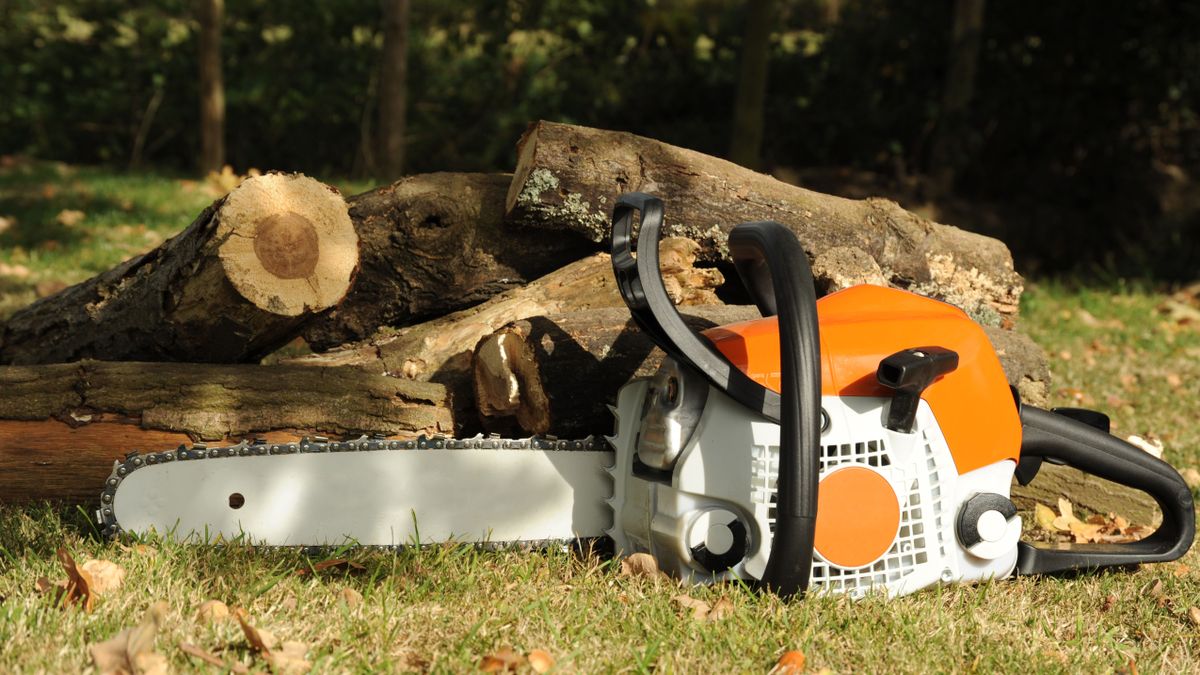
527, 374
568, 177
750, 102
210, 14
63, 425
235, 285
949, 153
433, 244
440, 350
393, 88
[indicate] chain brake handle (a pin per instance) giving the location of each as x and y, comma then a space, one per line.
776, 272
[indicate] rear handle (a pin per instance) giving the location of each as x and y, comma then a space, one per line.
1063, 439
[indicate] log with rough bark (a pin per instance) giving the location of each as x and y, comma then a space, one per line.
235, 285
555, 373
441, 350
568, 177
63, 425
433, 244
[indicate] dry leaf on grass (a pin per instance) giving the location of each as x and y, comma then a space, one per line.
350, 597
640, 565
263, 641
722, 608
1191, 476
1194, 615
791, 663
288, 658
502, 661
540, 660
1110, 529
132, 650
78, 587
702, 611
210, 659
338, 564
105, 575
70, 217
211, 611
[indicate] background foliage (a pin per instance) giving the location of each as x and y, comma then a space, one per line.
1083, 127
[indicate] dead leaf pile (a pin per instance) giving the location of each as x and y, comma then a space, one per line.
1096, 529
287, 658
132, 650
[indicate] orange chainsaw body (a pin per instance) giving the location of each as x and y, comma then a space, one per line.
973, 405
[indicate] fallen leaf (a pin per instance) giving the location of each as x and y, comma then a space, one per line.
106, 576
1174, 380
261, 640
211, 659
1194, 615
211, 611
1153, 447
540, 661
70, 217
1063, 521
699, 608
502, 661
17, 271
350, 597
1044, 516
132, 650
722, 608
640, 565
289, 659
44, 586
1191, 477
6, 222
340, 564
791, 663
1110, 601
1180, 570
79, 582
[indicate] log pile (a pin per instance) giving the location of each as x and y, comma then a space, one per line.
443, 303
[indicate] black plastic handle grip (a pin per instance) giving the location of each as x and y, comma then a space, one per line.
771, 262
770, 251
1059, 438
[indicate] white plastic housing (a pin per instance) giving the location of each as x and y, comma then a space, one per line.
731, 464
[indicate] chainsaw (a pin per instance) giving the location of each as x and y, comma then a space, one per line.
866, 441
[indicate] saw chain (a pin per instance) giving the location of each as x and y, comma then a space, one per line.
134, 461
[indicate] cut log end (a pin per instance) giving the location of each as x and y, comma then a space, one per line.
289, 246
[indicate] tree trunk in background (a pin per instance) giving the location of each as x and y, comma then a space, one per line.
393, 83
949, 151
748, 111
210, 14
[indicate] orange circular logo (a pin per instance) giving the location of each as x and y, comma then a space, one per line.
858, 516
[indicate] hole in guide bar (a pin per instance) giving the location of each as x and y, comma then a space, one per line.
236, 500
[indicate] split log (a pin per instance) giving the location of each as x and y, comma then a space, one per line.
441, 350
235, 285
63, 425
433, 244
567, 177
556, 373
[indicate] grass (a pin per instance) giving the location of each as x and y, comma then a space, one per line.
442, 609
